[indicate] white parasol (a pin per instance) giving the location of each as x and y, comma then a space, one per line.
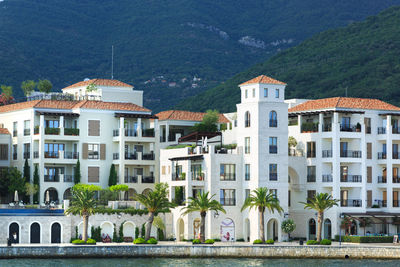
16, 196
47, 196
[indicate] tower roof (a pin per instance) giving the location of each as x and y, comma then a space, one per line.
263, 79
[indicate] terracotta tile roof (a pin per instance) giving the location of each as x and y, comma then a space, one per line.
4, 131
63, 104
182, 115
263, 79
344, 102
100, 82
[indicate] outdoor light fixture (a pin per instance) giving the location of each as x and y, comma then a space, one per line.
216, 214
286, 215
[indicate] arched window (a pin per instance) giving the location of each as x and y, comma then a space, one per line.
247, 119
311, 229
273, 119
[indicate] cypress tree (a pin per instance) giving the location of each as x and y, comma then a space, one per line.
77, 173
36, 182
27, 172
112, 179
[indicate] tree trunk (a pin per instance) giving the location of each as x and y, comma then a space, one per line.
148, 225
320, 219
203, 226
85, 226
262, 231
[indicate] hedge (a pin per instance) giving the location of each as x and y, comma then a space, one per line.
366, 239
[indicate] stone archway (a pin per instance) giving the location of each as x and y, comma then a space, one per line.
52, 195
13, 232
180, 227
56, 233
35, 233
272, 229
107, 228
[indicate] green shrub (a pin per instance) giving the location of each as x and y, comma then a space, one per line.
257, 241
217, 239
325, 242
139, 241
91, 241
210, 241
240, 240
312, 242
270, 242
366, 239
136, 232
196, 241
152, 241
78, 241
72, 239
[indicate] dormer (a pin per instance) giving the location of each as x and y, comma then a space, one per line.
262, 89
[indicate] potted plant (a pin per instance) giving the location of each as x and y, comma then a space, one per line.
358, 127
182, 176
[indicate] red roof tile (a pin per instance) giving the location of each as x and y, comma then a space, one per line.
182, 115
100, 82
112, 106
344, 102
4, 131
263, 79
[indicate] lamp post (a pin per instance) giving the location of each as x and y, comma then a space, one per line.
340, 229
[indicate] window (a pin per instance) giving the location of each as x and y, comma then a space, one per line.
15, 152
15, 128
276, 93
289, 198
273, 119
247, 172
27, 127
94, 128
254, 92
245, 93
247, 145
273, 145
52, 124
310, 195
369, 150
345, 125
3, 152
265, 92
197, 173
93, 151
311, 149
27, 150
274, 192
227, 172
246, 193
227, 197
311, 174
273, 172
93, 174
51, 150
247, 119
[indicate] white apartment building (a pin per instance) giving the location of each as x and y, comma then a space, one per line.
54, 134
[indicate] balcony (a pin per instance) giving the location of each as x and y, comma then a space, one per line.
148, 156
395, 130
382, 180
52, 131
116, 132
327, 127
178, 176
36, 130
148, 132
27, 132
115, 156
27, 155
227, 201
381, 155
71, 155
351, 179
71, 131
380, 203
309, 127
273, 149
311, 178
131, 156
273, 177
327, 153
350, 203
350, 128
51, 155
228, 177
350, 154
51, 178
396, 180
395, 155
311, 154
68, 178
130, 133
381, 130
197, 176
130, 179
148, 179
295, 153
327, 178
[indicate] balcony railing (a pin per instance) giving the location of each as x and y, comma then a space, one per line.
178, 176
68, 178
273, 177
130, 179
148, 156
380, 203
396, 130
71, 155
148, 132
327, 178
51, 155
148, 179
327, 127
311, 178
350, 203
36, 154
115, 156
228, 177
295, 152
381, 130
381, 155
349, 128
52, 131
36, 130
27, 132
130, 132
27, 155
382, 179
116, 132
130, 156
350, 154
351, 179
227, 201
396, 203
273, 149
396, 180
199, 176
71, 131
311, 154
309, 127
327, 153
395, 155
51, 178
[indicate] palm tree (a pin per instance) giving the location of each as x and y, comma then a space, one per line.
155, 201
84, 204
262, 199
202, 203
320, 202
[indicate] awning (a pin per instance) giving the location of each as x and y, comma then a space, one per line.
197, 136
135, 115
194, 157
377, 214
316, 112
57, 113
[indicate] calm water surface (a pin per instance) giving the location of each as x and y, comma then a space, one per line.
136, 262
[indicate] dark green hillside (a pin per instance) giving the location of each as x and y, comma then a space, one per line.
158, 43
362, 57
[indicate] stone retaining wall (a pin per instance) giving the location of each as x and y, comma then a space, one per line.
262, 251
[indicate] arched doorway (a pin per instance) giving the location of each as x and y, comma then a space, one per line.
247, 230
128, 195
327, 229
56, 233
227, 230
146, 191
196, 228
272, 229
80, 230
180, 230
67, 194
35, 233
129, 230
52, 195
311, 229
13, 232
107, 228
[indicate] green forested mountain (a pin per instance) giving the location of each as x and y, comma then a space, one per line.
160, 46
363, 57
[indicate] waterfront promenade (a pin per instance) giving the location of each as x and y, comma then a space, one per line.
219, 249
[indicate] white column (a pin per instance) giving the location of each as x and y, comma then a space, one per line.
336, 156
321, 121
166, 131
389, 161
41, 160
139, 128
61, 125
121, 150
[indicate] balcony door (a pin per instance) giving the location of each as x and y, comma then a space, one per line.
344, 172
344, 196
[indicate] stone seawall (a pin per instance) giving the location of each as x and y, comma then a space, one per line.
264, 251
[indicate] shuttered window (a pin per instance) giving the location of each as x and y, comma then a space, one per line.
102, 151
369, 150
85, 151
94, 128
369, 174
93, 174
4, 152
